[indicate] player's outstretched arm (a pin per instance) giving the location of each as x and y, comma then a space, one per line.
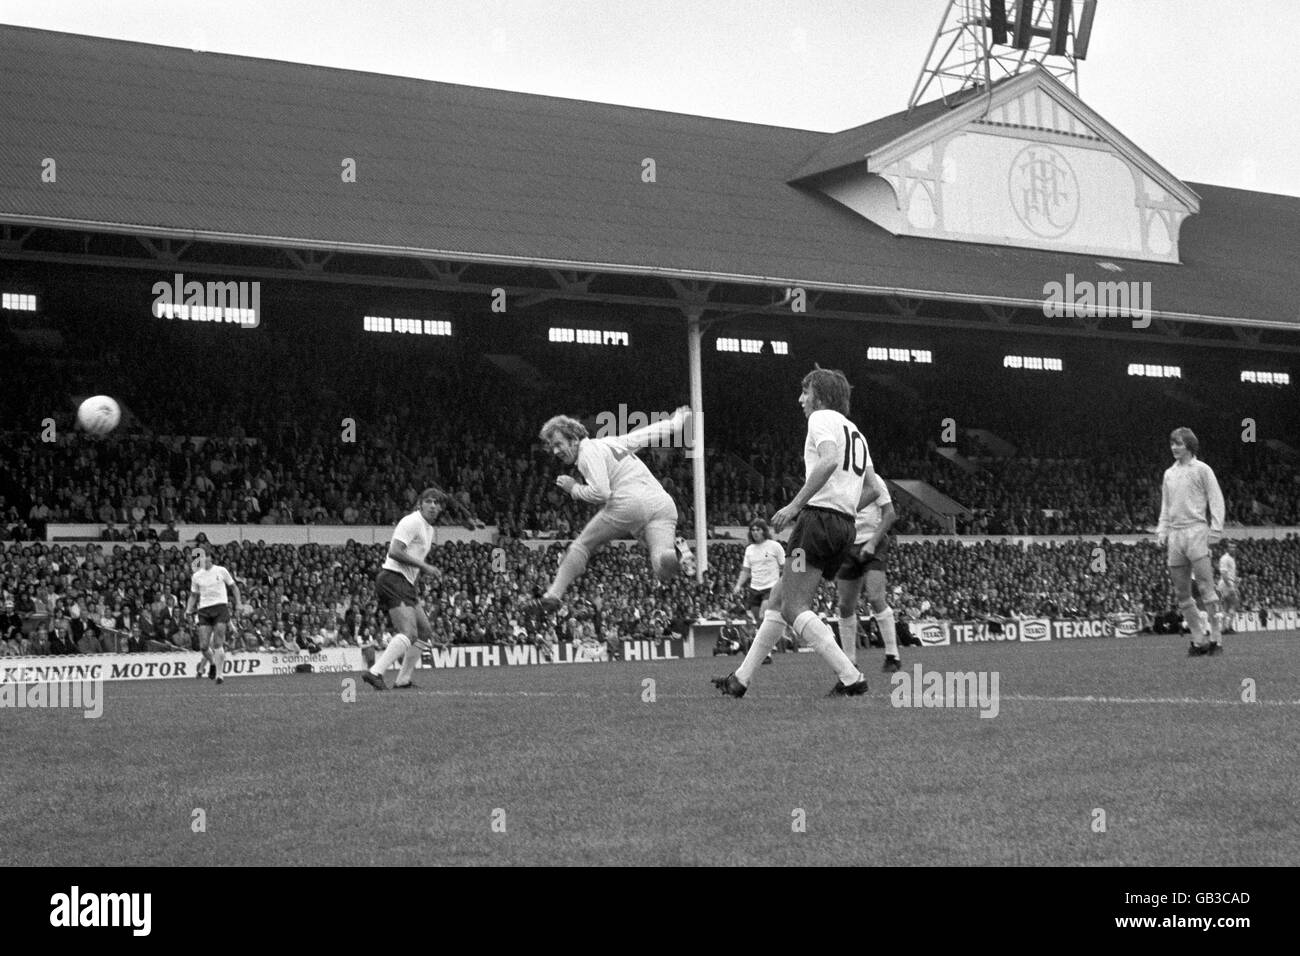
659, 434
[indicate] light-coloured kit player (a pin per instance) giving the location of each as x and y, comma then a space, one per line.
208, 594
633, 502
395, 587
1229, 595
836, 462
868, 560
1189, 493
759, 571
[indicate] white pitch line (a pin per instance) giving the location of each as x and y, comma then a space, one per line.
1026, 698
1090, 699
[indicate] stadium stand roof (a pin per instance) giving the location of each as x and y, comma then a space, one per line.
159, 141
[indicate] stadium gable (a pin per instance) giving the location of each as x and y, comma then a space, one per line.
1027, 164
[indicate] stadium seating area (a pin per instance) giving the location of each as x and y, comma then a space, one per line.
75, 597
283, 427
275, 451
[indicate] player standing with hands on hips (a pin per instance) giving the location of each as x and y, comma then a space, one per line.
836, 463
1190, 490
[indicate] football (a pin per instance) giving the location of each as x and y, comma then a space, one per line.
99, 415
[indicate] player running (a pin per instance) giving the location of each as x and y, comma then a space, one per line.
760, 570
1189, 489
208, 593
868, 559
836, 463
395, 587
633, 502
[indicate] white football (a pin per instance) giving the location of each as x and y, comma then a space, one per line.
99, 415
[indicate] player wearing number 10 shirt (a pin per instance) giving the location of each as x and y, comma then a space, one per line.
836, 462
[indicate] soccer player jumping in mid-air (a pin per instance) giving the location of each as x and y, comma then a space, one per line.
634, 503
836, 462
395, 587
1188, 491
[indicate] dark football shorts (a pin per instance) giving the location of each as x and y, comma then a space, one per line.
214, 614
852, 568
756, 598
824, 536
394, 590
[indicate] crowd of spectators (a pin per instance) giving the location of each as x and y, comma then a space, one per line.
303, 435
87, 598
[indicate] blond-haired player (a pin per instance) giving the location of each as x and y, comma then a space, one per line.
633, 503
1191, 520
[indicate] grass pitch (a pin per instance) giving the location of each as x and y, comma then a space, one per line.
571, 765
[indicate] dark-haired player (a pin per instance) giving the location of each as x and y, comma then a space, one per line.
759, 571
395, 587
1189, 493
208, 593
836, 461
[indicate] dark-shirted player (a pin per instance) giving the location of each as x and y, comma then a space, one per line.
836, 462
395, 587
209, 585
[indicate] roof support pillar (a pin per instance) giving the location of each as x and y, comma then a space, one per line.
694, 338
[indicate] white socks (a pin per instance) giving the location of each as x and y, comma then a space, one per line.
395, 649
849, 636
769, 632
819, 636
409, 660
1192, 615
885, 620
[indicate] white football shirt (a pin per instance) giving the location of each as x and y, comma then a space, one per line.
844, 487
764, 561
210, 585
612, 471
1228, 570
869, 518
417, 535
